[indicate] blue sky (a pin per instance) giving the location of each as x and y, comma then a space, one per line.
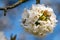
13, 18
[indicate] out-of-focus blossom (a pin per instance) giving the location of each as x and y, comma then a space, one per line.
5, 23
39, 20
2, 36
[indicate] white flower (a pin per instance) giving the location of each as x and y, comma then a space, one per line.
39, 20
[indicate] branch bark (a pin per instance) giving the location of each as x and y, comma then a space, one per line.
37, 1
12, 6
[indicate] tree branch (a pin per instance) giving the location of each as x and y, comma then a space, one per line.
37, 1
12, 6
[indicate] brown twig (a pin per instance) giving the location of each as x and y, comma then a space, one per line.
37, 1
12, 6
13, 37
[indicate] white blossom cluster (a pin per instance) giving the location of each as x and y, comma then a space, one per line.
39, 20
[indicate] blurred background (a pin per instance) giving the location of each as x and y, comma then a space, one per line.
11, 23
